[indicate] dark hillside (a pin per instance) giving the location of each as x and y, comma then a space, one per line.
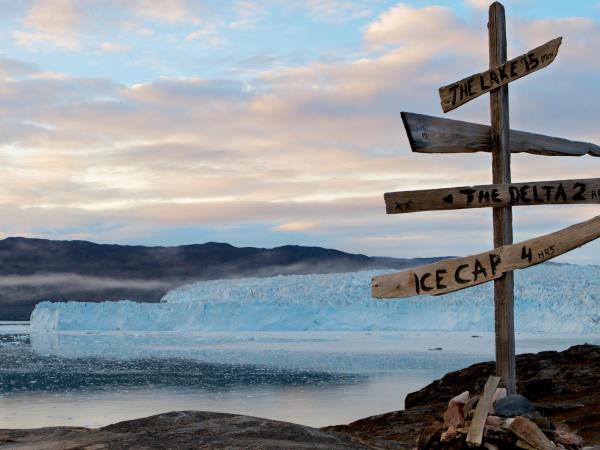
32, 270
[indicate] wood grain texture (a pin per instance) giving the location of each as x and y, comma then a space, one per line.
430, 134
459, 273
502, 217
475, 433
456, 94
559, 192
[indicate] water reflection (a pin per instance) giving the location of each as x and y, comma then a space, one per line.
332, 352
313, 378
23, 370
38, 388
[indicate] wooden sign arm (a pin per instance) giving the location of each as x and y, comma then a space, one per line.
561, 192
458, 273
500, 74
430, 134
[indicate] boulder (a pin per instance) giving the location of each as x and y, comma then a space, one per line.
566, 438
529, 433
179, 430
454, 415
512, 406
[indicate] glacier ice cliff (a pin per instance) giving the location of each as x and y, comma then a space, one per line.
557, 298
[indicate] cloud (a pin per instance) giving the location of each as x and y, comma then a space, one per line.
209, 36
478, 4
12, 68
211, 33
308, 150
248, 15
54, 16
74, 25
297, 226
51, 23
337, 11
136, 27
171, 11
34, 40
113, 47
427, 29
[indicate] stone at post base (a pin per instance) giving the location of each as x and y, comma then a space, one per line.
513, 405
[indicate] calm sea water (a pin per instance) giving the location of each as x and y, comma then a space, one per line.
313, 378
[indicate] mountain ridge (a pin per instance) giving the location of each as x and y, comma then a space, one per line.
34, 269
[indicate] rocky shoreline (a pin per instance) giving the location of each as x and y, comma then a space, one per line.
564, 387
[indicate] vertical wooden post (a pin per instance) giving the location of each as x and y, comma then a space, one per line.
503, 234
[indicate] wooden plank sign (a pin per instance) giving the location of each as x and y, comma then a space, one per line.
459, 93
459, 273
495, 195
429, 134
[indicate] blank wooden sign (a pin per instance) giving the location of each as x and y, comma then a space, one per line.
430, 134
455, 274
459, 93
495, 195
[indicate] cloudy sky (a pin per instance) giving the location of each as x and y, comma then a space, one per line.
263, 123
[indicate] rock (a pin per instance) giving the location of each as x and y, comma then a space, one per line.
460, 399
561, 426
494, 421
500, 393
395, 430
530, 433
454, 415
545, 382
182, 430
498, 422
552, 408
543, 422
449, 434
489, 446
524, 445
470, 406
498, 434
566, 438
430, 433
512, 406
579, 391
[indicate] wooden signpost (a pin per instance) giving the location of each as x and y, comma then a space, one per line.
436, 135
495, 195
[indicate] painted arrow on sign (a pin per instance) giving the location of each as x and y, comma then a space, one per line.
455, 274
459, 93
495, 195
429, 134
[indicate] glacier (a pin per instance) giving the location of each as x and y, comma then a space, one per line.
548, 298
